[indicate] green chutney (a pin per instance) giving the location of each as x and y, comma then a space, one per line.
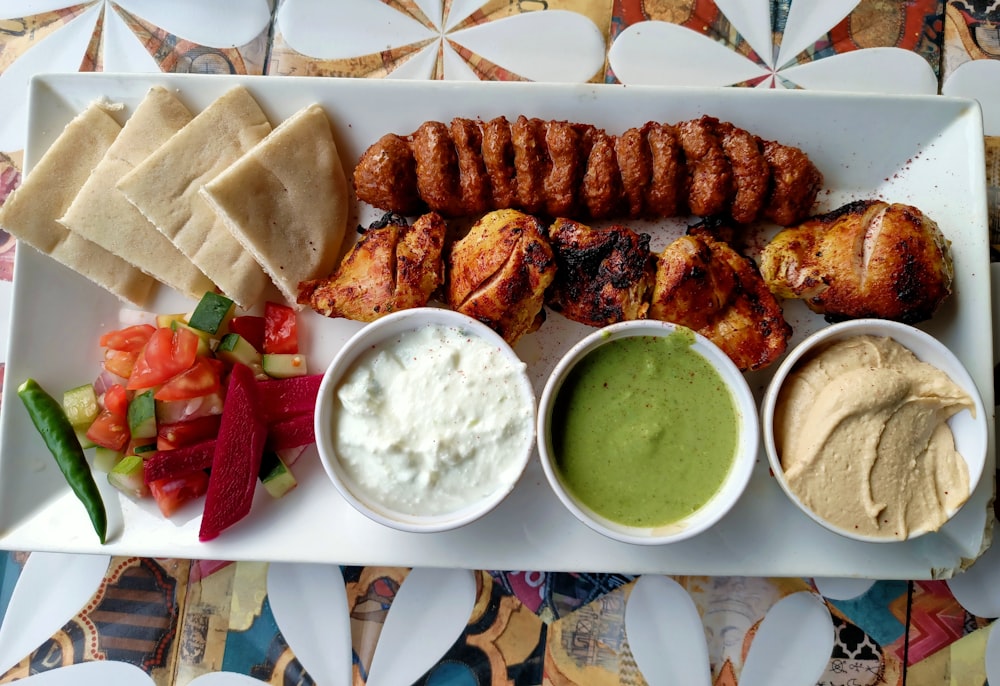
644, 430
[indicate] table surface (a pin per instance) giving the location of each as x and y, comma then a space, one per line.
79, 619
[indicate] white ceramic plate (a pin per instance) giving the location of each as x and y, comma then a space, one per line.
927, 151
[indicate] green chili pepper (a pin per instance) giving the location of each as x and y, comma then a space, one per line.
49, 418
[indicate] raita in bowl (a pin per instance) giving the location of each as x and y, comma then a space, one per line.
425, 420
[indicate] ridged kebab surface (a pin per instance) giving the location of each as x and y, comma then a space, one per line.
703, 167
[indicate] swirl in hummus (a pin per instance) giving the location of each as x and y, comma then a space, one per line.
861, 429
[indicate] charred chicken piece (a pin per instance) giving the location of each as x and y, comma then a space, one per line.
707, 286
702, 166
866, 259
392, 267
603, 276
499, 271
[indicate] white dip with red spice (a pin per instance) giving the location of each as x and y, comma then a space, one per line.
432, 421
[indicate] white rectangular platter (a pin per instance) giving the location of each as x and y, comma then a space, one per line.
927, 151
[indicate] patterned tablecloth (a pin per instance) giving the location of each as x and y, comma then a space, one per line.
176, 621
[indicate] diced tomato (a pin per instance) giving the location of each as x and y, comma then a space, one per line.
109, 431
120, 362
168, 353
179, 434
172, 493
280, 330
116, 400
251, 328
130, 339
202, 378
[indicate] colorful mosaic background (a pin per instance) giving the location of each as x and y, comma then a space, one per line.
177, 620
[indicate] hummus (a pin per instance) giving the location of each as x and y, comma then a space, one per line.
861, 430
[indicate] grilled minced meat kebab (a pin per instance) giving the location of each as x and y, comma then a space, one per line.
703, 167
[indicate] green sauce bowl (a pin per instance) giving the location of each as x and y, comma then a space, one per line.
647, 432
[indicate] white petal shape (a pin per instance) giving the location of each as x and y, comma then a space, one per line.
977, 79
228, 679
52, 589
554, 45
61, 51
428, 614
872, 70
338, 30
218, 24
977, 589
456, 68
12, 9
89, 673
752, 18
792, 645
809, 21
659, 53
460, 11
304, 597
123, 52
665, 633
993, 655
419, 66
842, 589
433, 10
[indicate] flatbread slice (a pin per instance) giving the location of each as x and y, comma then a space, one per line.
286, 201
165, 189
102, 214
31, 212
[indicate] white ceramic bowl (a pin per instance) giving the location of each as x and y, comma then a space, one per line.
732, 486
970, 432
377, 334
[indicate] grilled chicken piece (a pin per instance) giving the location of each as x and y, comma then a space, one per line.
603, 276
707, 286
703, 166
392, 267
866, 259
498, 273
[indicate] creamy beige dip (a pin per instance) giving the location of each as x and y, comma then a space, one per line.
861, 430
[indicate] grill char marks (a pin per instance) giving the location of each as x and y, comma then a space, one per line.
702, 166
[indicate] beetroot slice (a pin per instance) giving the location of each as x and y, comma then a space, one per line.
282, 398
238, 452
168, 464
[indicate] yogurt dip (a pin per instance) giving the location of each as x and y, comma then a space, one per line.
861, 430
432, 421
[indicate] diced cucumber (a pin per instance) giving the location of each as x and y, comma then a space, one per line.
284, 365
145, 448
212, 312
142, 415
85, 442
234, 348
167, 321
81, 408
105, 459
80, 405
127, 477
275, 475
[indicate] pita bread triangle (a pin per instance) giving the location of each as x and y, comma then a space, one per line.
102, 214
164, 187
286, 201
32, 211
